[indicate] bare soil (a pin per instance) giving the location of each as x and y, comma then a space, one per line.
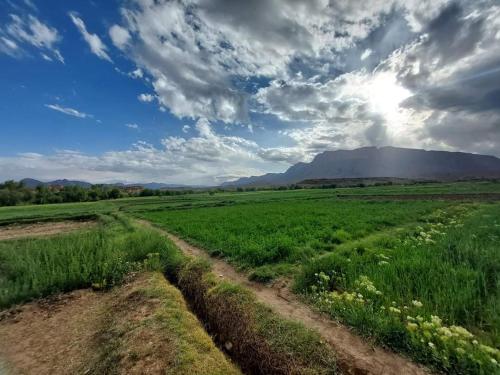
50, 336
42, 229
354, 354
128, 330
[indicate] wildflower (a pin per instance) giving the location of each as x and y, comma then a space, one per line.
436, 320
394, 310
475, 342
489, 349
461, 331
460, 351
445, 331
412, 327
417, 303
431, 345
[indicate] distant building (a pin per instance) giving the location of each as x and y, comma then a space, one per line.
134, 189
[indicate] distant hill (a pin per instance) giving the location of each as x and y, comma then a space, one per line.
372, 162
32, 184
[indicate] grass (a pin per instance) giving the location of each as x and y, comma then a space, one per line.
274, 237
443, 255
147, 327
156, 313
36, 267
418, 276
259, 340
408, 290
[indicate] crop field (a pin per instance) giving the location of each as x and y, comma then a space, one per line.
270, 235
419, 276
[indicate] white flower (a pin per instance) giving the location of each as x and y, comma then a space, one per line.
417, 303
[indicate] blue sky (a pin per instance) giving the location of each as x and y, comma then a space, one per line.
200, 92
84, 82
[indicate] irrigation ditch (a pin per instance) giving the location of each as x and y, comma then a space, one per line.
267, 330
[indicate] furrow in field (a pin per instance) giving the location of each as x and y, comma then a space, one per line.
354, 355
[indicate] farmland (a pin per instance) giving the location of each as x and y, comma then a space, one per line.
418, 276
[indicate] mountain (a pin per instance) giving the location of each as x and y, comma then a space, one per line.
32, 183
370, 162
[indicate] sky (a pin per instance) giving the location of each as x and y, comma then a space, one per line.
205, 91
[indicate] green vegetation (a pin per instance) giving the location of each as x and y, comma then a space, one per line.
146, 327
35, 267
273, 238
14, 193
424, 269
252, 334
419, 276
415, 291
258, 340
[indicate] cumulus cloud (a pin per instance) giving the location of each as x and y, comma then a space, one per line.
119, 35
318, 75
95, 43
146, 98
29, 31
197, 50
206, 158
68, 111
138, 73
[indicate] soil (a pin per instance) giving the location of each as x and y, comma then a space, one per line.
76, 333
44, 337
41, 229
354, 354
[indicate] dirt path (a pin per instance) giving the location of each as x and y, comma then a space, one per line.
41, 229
354, 355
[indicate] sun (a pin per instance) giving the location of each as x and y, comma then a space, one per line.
385, 94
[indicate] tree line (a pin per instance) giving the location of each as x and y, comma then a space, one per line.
13, 193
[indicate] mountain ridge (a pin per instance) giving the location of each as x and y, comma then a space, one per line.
372, 162
33, 183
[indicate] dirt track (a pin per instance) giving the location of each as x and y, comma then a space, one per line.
41, 229
354, 355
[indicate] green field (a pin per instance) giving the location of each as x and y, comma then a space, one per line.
420, 276
278, 235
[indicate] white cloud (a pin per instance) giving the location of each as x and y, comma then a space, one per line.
146, 98
207, 158
120, 36
95, 43
68, 111
31, 31
138, 73
186, 128
196, 51
132, 126
367, 52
